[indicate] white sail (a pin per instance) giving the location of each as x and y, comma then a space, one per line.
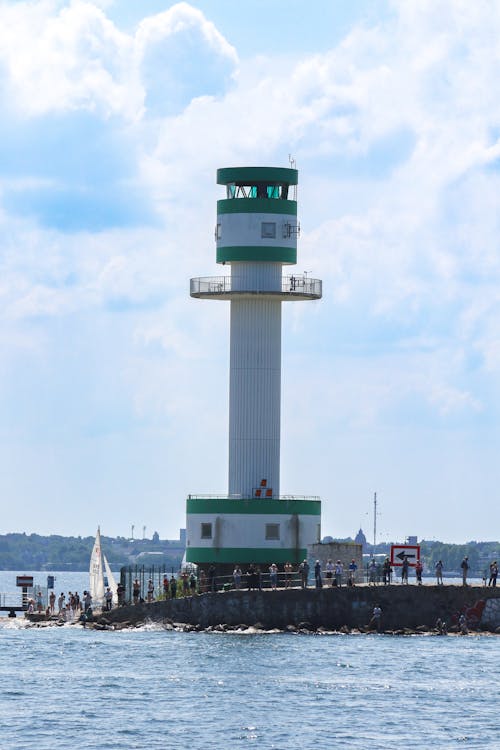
111, 580
96, 572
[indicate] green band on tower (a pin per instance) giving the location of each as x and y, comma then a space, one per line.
267, 254
249, 175
256, 206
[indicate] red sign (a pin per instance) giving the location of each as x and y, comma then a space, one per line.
24, 581
401, 551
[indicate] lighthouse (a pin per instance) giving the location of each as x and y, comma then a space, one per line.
256, 237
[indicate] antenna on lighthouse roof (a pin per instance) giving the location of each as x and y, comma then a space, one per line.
293, 165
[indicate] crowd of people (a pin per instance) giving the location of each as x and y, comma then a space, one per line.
66, 607
331, 574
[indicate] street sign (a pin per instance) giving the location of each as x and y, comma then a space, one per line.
24, 581
401, 551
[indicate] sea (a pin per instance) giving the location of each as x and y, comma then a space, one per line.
150, 688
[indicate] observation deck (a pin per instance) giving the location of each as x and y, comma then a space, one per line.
294, 287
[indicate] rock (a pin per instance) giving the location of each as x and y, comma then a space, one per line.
258, 626
291, 629
307, 626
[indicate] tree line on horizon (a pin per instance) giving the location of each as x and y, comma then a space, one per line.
22, 552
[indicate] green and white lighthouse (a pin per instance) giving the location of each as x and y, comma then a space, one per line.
256, 235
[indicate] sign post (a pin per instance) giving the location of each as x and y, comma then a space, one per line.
24, 582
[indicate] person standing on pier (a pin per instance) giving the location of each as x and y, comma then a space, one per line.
288, 574
386, 571
352, 571
237, 576
304, 573
465, 569
273, 576
439, 572
418, 571
173, 587
339, 569
493, 573
372, 572
108, 598
317, 575
404, 570
136, 591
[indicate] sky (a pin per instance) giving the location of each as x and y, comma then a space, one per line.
114, 117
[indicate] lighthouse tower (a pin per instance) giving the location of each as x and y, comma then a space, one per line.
256, 235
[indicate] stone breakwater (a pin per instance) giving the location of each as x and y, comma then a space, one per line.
404, 608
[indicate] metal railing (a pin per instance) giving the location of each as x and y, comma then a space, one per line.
222, 496
294, 285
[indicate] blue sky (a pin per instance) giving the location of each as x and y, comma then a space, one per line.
113, 382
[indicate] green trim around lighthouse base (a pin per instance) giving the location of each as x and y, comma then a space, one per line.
253, 506
205, 555
259, 253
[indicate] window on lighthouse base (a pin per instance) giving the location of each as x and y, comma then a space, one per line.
206, 530
272, 531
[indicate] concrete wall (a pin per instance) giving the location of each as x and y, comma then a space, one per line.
402, 606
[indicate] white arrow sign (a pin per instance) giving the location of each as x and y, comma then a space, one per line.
400, 552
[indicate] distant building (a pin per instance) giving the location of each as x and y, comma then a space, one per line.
343, 551
360, 538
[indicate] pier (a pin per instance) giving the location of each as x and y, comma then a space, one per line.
403, 607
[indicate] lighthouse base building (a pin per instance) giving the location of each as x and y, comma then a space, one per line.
256, 235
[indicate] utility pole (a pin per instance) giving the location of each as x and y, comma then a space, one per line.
143, 533
133, 527
374, 521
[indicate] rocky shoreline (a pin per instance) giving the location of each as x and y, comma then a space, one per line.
305, 628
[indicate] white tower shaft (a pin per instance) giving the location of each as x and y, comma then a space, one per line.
254, 396
255, 379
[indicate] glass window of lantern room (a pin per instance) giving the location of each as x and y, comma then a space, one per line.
272, 531
206, 530
273, 191
268, 230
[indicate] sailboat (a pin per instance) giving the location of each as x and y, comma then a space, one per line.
99, 567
